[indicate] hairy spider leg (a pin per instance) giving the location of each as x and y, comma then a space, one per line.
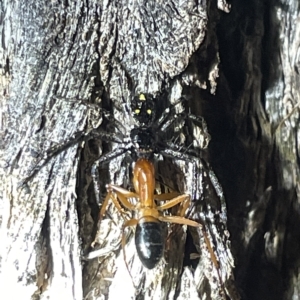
182, 116
174, 153
88, 104
104, 159
50, 153
80, 136
166, 113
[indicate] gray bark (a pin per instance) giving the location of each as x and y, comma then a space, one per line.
61, 63
259, 164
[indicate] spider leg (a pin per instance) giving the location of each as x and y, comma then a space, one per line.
183, 116
80, 136
182, 153
165, 115
96, 182
105, 113
50, 153
219, 191
172, 152
101, 161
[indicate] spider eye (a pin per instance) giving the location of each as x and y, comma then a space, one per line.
149, 111
137, 111
142, 97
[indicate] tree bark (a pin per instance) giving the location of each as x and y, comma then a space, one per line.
63, 63
259, 162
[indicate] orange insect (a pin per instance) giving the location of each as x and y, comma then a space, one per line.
149, 233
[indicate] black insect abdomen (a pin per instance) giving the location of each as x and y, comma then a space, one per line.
149, 242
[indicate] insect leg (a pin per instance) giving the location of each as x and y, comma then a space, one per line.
129, 223
174, 201
184, 221
183, 207
123, 195
166, 196
101, 214
116, 198
212, 252
179, 220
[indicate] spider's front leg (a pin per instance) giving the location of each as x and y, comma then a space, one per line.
170, 116
103, 159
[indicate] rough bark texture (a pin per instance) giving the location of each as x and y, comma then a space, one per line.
259, 166
61, 63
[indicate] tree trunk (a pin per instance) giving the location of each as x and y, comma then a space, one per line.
64, 65
258, 164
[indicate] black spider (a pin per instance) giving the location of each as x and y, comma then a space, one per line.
149, 136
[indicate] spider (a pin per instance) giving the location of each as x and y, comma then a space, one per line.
149, 136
